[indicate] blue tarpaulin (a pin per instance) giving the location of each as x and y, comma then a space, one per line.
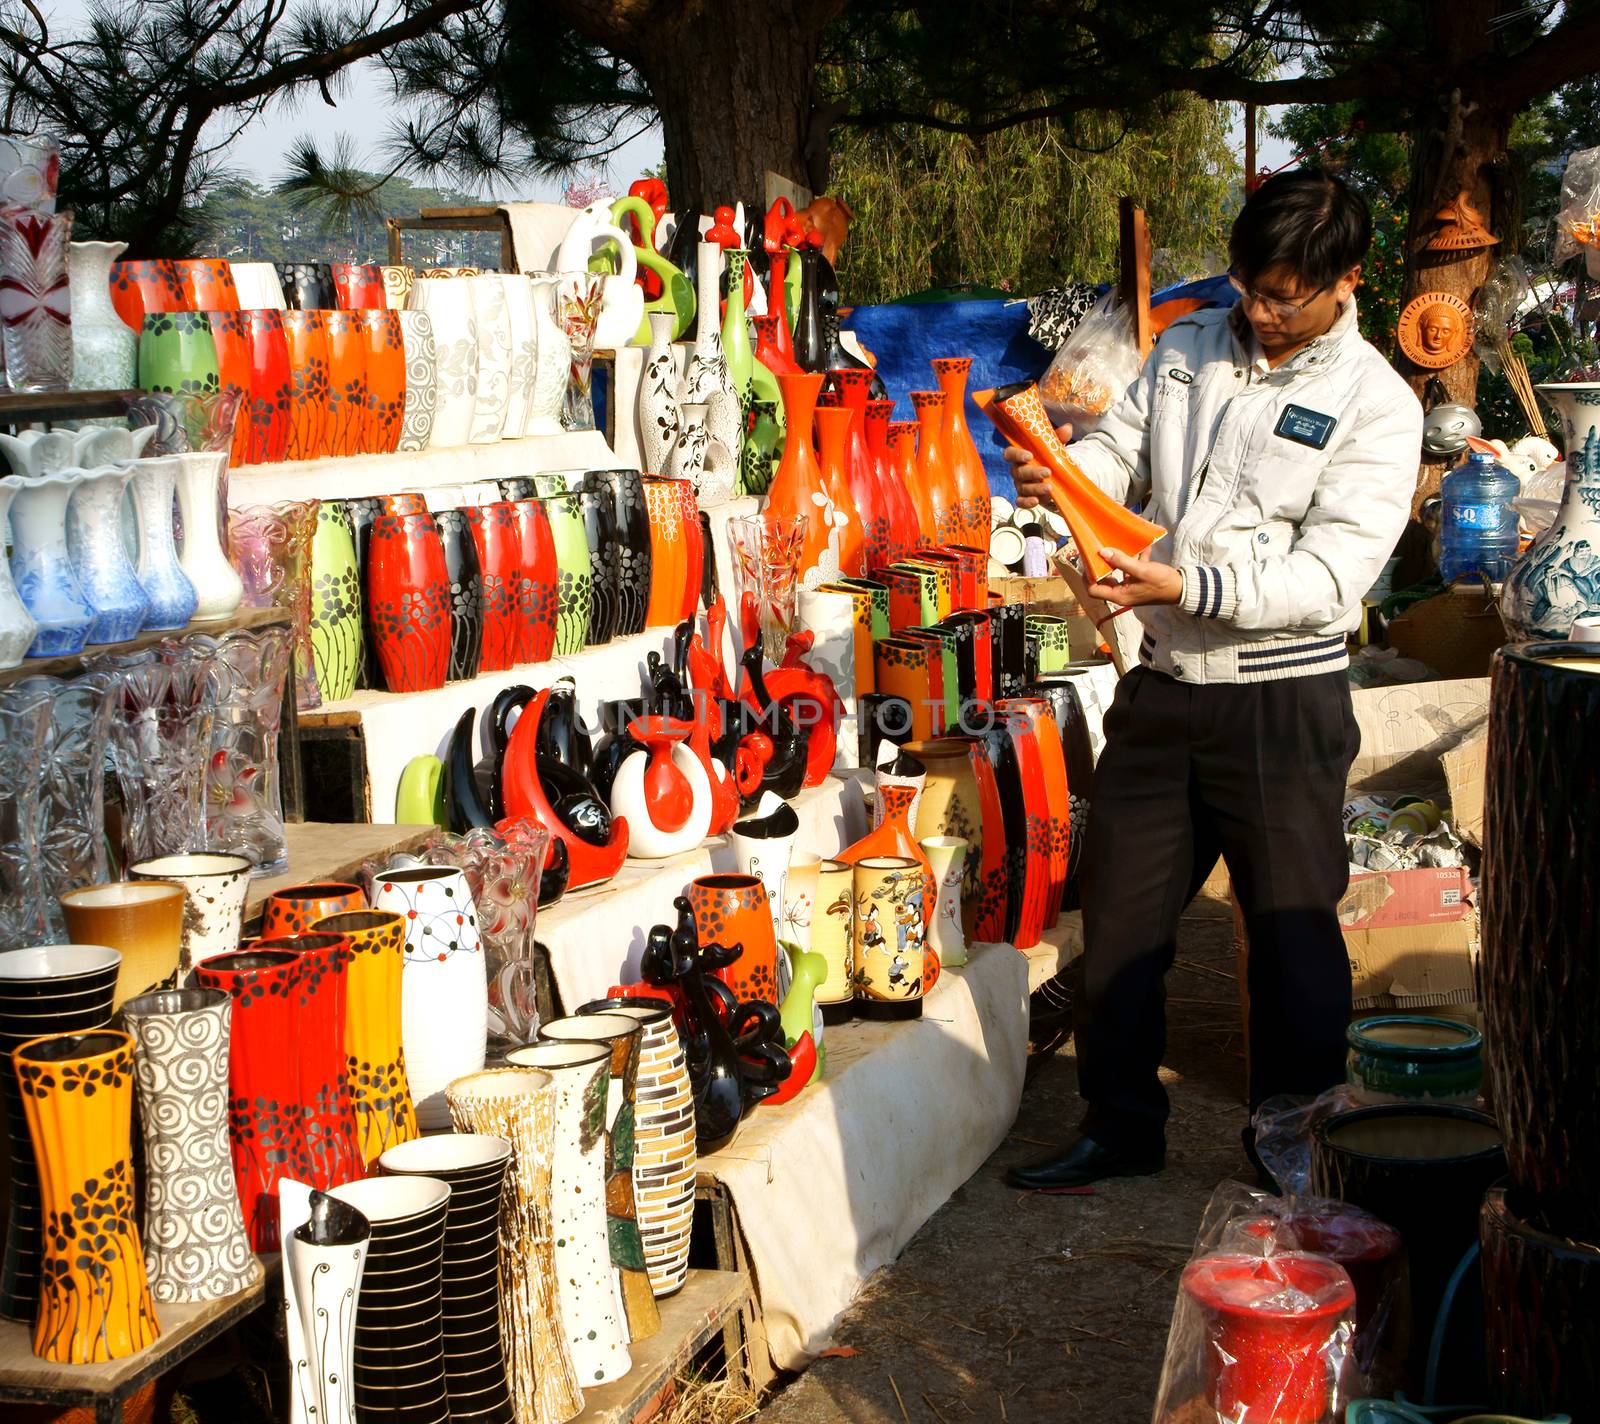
905, 336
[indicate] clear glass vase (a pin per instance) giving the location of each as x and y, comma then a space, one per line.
271, 548
578, 299
243, 801
503, 873
24, 731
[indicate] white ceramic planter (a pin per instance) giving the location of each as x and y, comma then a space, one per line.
448, 303
494, 357
217, 586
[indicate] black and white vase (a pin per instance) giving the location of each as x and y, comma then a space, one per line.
474, 1167
605, 559
363, 512
307, 286
632, 519
466, 592
325, 1245
195, 1246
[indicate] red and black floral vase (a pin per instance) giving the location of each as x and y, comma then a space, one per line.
408, 596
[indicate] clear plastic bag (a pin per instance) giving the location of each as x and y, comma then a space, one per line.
1265, 1323
1090, 373
1578, 222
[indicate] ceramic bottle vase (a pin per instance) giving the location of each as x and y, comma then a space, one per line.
736, 349
888, 517
41, 565
466, 593
946, 938
658, 394
195, 1246
104, 350
585, 1283
799, 488
575, 576
961, 451
375, 1061
325, 1243
474, 1167
495, 536
310, 396
100, 557
408, 597
399, 1334
170, 597
335, 603
518, 1104
55, 988
444, 992
621, 1035
94, 1295
1551, 586
448, 304
665, 1157
903, 464
217, 586
422, 376
707, 381
553, 366
935, 478
524, 352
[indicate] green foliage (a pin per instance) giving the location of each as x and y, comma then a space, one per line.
246, 222
1383, 274
1032, 206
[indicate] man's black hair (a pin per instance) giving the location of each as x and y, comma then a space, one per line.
1310, 221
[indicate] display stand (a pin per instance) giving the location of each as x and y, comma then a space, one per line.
320, 851
26, 1379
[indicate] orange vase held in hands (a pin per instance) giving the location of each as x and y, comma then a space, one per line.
933, 467
966, 464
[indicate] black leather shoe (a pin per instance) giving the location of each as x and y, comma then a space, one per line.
1084, 1162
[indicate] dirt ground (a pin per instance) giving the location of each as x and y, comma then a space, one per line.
1031, 1308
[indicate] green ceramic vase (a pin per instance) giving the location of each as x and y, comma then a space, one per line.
419, 799
335, 603
575, 577
756, 460
1048, 635
798, 1014
736, 348
178, 354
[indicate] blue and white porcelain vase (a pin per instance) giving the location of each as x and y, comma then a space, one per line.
1557, 580
41, 566
172, 599
16, 627
100, 557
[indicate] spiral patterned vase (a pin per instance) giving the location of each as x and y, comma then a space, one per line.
194, 1241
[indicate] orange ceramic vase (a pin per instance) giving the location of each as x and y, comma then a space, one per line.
903, 467
347, 382
933, 467
733, 909
94, 1294
893, 529
296, 908
386, 379
309, 415
669, 553
835, 429
374, 1059
1053, 761
833, 529
900, 669
207, 283
894, 808
230, 329
966, 464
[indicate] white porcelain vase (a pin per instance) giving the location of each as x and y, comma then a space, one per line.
448, 303
553, 366
416, 420
947, 855
494, 357
444, 994
658, 396
697, 456
707, 380
217, 586
16, 625
104, 348
258, 285
325, 1244
524, 353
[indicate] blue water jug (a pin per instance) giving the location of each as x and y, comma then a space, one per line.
1478, 526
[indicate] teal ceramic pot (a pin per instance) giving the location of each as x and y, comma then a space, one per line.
575, 577
335, 602
177, 354
1410, 1058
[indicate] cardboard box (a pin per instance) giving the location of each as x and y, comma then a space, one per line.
1389, 899
1051, 595
1414, 966
1463, 774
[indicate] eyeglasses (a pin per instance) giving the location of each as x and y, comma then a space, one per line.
1274, 306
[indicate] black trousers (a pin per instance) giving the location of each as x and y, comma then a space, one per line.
1256, 773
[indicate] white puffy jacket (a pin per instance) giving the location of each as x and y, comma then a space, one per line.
1283, 492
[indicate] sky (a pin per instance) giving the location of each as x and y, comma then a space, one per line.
363, 113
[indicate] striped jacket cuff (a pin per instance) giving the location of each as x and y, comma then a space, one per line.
1209, 590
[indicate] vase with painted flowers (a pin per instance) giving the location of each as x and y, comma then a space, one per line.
537, 603
495, 536
358, 285
466, 592
306, 333
230, 330
335, 625
348, 414
575, 575
408, 597
733, 910
308, 286
493, 322
177, 354
145, 285
447, 302
105, 352
207, 284
386, 379
94, 1294
271, 387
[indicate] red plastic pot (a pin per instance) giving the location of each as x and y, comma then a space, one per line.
1268, 1359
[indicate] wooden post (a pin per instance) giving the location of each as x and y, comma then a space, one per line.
1251, 181
1133, 281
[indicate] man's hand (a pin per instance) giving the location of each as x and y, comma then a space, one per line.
1033, 481
1143, 581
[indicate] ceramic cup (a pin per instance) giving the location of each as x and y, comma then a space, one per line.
141, 919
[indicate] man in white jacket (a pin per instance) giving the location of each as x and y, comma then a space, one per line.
1279, 451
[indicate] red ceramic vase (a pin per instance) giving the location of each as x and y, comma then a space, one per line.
347, 383
1030, 862
989, 915
499, 543
1057, 826
935, 478
971, 482
327, 1113
386, 376
207, 284
733, 910
309, 413
408, 599
148, 285
537, 604
891, 500
694, 548
271, 387
829, 548
266, 1125
768, 352
296, 908
359, 285
972, 577
844, 455
230, 330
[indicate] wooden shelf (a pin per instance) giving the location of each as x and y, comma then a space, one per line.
29, 407
70, 663
690, 1320
26, 1379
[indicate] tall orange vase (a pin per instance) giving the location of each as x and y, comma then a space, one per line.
733, 909
933, 467
230, 329
903, 466
386, 379
1052, 759
309, 416
974, 516
669, 552
347, 382
833, 527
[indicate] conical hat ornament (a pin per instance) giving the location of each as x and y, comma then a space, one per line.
1095, 519
1461, 227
